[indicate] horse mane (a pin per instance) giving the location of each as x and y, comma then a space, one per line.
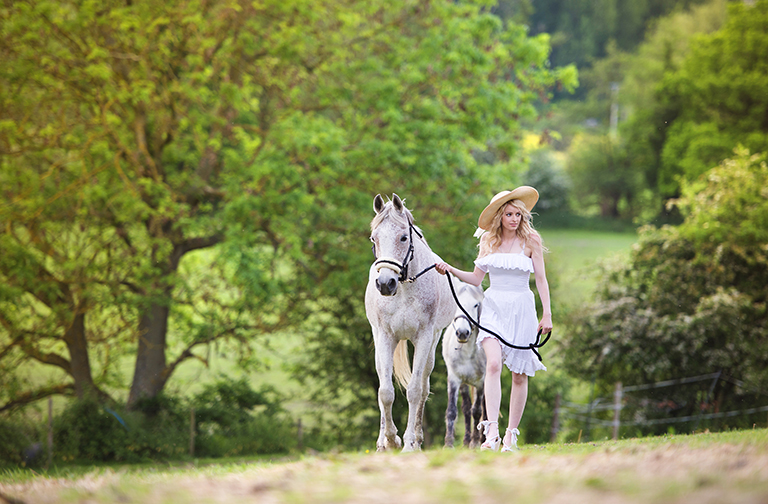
404, 218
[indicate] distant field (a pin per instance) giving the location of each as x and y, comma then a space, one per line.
729, 467
573, 257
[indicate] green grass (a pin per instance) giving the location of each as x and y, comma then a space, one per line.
573, 259
706, 467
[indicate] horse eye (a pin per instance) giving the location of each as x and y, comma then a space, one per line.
404, 238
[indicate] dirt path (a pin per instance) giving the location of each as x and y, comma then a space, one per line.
608, 474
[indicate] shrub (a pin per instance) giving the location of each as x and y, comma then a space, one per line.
18, 445
233, 419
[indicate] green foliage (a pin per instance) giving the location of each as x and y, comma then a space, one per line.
719, 94
692, 300
230, 419
582, 30
19, 443
603, 175
233, 419
87, 431
536, 424
546, 173
134, 135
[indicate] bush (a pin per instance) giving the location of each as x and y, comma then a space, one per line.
87, 431
18, 445
233, 419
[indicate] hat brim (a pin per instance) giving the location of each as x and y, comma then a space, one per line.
527, 194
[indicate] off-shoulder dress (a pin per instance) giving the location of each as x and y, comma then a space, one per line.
509, 309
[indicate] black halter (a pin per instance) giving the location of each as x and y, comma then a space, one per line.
403, 267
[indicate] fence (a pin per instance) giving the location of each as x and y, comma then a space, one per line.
631, 399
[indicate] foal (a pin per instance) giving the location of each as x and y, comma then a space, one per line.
466, 366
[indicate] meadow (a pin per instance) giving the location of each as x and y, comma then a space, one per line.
728, 467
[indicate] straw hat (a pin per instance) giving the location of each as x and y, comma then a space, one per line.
527, 194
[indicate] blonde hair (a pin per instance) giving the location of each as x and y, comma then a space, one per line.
491, 240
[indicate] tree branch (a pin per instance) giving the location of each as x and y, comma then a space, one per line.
66, 389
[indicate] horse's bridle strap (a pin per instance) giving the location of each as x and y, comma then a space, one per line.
389, 263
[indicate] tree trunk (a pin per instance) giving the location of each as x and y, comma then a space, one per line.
151, 371
79, 363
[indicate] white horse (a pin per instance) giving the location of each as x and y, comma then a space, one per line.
466, 366
400, 309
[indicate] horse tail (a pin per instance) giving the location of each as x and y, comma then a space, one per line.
401, 364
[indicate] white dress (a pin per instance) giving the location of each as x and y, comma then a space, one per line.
509, 309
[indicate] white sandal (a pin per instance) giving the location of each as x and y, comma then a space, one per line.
489, 444
507, 448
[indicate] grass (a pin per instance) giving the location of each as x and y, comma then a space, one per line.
706, 467
574, 257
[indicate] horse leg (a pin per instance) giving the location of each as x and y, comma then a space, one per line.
418, 391
388, 438
478, 414
466, 410
451, 412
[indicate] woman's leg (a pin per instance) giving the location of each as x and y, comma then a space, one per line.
517, 398
492, 350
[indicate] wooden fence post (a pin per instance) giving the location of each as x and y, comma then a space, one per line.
192, 432
300, 436
616, 410
49, 463
555, 420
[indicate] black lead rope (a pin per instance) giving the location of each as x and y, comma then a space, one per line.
531, 346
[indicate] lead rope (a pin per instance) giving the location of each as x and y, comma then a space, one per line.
531, 346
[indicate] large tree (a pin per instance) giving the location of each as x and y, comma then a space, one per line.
135, 133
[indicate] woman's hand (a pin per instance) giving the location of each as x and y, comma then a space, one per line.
443, 267
545, 326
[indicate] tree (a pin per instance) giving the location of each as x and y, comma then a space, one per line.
603, 175
581, 31
136, 134
692, 299
719, 96
648, 112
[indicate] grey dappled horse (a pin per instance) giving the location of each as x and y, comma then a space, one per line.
466, 366
401, 310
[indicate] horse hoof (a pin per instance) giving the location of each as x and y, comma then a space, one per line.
389, 444
411, 447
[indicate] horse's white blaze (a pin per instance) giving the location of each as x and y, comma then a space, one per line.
399, 312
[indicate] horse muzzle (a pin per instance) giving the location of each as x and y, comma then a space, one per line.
462, 335
389, 272
386, 286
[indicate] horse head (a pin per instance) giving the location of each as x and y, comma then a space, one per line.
392, 237
471, 298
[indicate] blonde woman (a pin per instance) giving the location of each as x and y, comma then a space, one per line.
510, 250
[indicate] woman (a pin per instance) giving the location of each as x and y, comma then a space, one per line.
510, 250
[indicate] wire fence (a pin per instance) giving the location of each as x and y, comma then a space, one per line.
691, 400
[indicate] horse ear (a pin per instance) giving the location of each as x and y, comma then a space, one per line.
378, 203
398, 203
